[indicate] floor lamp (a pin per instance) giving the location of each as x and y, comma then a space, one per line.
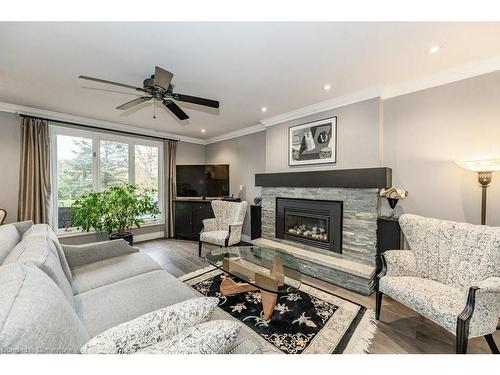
484, 169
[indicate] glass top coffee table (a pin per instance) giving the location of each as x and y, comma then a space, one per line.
269, 270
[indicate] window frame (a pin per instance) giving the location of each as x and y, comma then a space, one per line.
96, 137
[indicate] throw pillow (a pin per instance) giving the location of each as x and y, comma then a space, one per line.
214, 337
152, 327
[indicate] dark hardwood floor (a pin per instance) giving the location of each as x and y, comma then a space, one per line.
400, 330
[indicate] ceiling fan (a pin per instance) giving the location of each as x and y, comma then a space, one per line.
159, 87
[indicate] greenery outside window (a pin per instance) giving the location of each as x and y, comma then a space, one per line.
83, 161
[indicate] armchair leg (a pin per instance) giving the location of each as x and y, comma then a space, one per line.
199, 249
378, 304
491, 343
462, 336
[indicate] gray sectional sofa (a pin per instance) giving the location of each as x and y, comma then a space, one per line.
54, 298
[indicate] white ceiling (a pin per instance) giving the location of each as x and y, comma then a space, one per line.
282, 66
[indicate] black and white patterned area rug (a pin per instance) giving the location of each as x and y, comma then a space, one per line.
306, 321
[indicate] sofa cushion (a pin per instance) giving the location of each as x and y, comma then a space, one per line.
116, 303
41, 251
107, 271
439, 302
113, 304
45, 230
215, 337
150, 328
9, 238
35, 317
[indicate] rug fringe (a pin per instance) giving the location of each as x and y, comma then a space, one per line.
196, 273
362, 339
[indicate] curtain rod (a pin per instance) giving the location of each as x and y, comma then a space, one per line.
100, 128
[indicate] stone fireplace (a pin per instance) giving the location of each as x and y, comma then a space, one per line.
327, 219
316, 223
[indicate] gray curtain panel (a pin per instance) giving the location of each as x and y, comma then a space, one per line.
170, 149
34, 179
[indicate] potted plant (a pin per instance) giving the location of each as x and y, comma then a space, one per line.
114, 210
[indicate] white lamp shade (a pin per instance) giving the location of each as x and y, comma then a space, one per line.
480, 165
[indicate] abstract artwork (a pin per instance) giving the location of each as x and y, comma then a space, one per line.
313, 143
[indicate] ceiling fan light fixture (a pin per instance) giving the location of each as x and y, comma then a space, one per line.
159, 88
434, 49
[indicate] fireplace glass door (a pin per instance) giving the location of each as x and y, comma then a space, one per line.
316, 224
306, 225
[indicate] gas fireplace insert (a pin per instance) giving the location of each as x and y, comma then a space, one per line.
315, 223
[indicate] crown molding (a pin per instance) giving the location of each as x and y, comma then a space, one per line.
339, 101
444, 77
237, 133
108, 125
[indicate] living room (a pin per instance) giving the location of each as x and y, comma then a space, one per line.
294, 188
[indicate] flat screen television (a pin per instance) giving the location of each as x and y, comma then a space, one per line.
211, 180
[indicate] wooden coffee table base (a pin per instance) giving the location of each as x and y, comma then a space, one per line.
271, 281
229, 287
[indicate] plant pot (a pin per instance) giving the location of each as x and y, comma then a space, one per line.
128, 236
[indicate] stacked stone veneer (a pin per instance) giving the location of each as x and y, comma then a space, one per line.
360, 212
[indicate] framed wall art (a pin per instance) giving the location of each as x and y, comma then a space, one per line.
313, 143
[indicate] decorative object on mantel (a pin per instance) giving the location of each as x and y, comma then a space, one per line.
393, 195
313, 143
257, 201
484, 169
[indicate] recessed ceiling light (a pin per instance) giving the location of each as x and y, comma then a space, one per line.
203, 130
327, 87
434, 49
263, 109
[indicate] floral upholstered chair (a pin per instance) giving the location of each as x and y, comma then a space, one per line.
225, 229
451, 276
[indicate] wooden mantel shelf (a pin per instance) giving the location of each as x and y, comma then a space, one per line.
380, 177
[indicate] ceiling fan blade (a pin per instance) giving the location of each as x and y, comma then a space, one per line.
110, 82
175, 109
162, 78
196, 100
134, 102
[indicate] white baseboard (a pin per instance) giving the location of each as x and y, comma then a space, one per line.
148, 236
246, 238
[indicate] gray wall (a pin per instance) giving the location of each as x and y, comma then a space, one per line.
357, 138
10, 151
426, 131
190, 153
246, 156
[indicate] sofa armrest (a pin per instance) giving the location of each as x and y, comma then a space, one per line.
400, 263
234, 225
209, 225
23, 226
78, 255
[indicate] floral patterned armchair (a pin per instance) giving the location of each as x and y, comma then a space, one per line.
451, 276
225, 229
